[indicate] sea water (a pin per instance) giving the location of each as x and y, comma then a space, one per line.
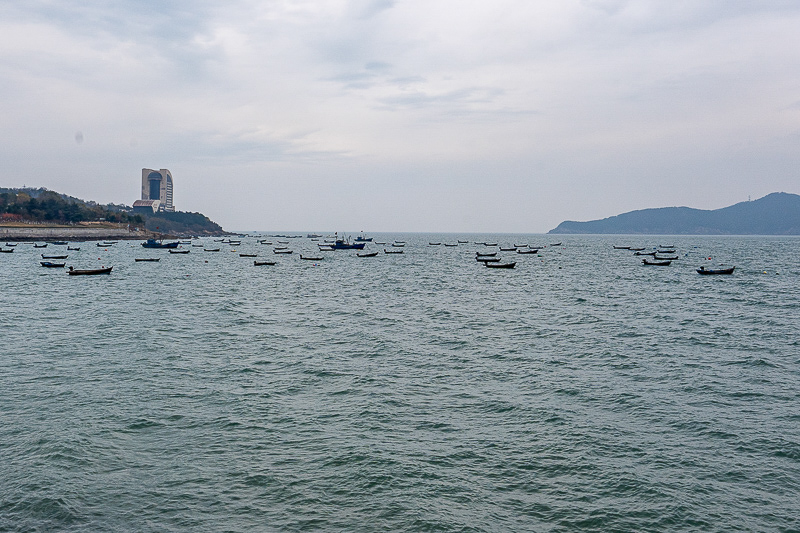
405, 392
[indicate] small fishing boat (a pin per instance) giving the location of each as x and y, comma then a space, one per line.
434, 244
398, 244
9, 251
281, 251
147, 259
555, 244
248, 255
636, 249
77, 249
450, 244
490, 244
49, 264
54, 256
645, 253
392, 251
362, 238
507, 249
665, 258
306, 258
670, 251
40, 245
263, 263
283, 242
211, 249
463, 242
152, 243
521, 245
531, 251
500, 265
487, 259
58, 243
656, 263
491, 254
179, 251
380, 243
370, 254
11, 245
715, 271
197, 246
89, 271
621, 247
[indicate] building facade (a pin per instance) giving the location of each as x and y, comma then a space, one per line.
157, 185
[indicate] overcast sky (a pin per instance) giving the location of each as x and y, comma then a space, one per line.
404, 115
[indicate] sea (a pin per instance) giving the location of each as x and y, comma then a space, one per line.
414, 392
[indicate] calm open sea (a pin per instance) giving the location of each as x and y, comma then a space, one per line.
407, 392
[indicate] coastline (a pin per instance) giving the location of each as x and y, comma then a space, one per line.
55, 233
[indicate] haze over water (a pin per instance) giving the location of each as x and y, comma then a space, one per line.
413, 392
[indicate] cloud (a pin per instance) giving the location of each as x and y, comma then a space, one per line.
600, 101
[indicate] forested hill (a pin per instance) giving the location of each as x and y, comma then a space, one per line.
775, 214
42, 205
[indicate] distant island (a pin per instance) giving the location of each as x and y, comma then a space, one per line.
775, 214
31, 213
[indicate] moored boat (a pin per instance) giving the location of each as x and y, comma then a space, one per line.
263, 263
54, 256
248, 255
179, 251
392, 251
147, 259
89, 271
500, 265
715, 271
152, 243
368, 254
656, 263
306, 258
487, 259
9, 251
50, 264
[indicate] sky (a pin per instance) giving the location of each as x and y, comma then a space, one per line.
403, 115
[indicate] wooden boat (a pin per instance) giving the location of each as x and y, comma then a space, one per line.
555, 244
9, 251
370, 254
381, 243
656, 263
392, 251
283, 242
326, 248
310, 258
281, 251
11, 245
179, 251
450, 244
211, 249
281, 247
665, 258
263, 263
89, 271
635, 249
507, 249
59, 243
621, 247
48, 264
78, 249
398, 244
248, 255
487, 259
490, 244
40, 246
521, 245
434, 244
715, 271
532, 251
54, 256
147, 259
463, 242
645, 253
500, 265
670, 251
197, 246
491, 254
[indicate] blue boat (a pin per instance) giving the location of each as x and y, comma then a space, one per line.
343, 244
152, 243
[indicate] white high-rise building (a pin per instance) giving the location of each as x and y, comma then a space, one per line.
157, 185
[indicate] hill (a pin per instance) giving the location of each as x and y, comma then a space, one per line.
41, 207
775, 214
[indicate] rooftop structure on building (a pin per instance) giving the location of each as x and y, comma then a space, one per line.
146, 206
157, 186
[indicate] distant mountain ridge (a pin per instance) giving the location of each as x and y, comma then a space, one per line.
775, 214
